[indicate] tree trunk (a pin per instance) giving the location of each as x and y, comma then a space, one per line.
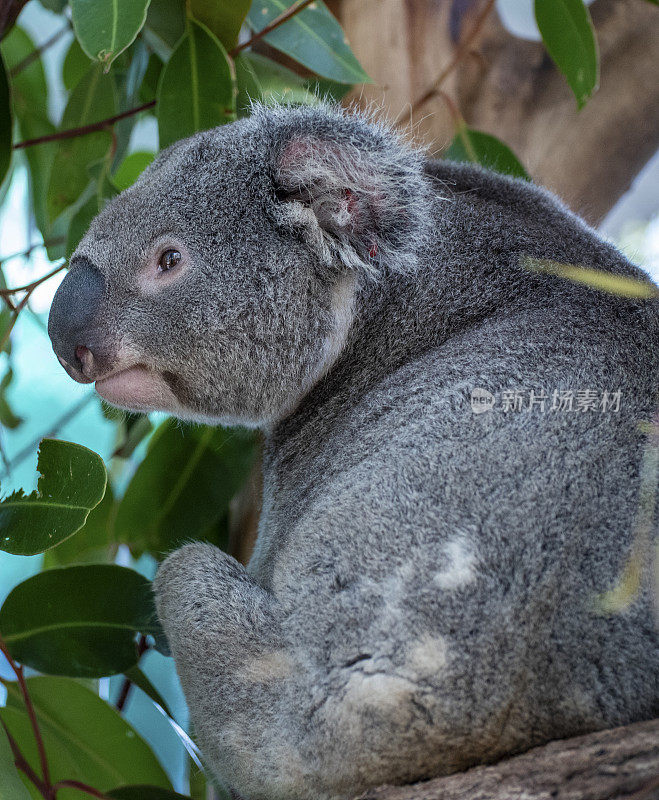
608, 765
510, 88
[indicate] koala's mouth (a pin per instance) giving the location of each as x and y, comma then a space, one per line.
137, 388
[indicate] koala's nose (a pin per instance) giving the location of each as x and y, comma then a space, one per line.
74, 315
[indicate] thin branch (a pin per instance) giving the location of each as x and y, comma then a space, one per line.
142, 647
32, 248
81, 787
21, 763
84, 130
276, 22
30, 287
34, 55
461, 51
45, 771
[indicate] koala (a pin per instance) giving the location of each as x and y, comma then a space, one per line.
425, 592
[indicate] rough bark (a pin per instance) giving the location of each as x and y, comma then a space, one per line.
510, 88
608, 765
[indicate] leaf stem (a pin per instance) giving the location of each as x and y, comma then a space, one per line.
18, 671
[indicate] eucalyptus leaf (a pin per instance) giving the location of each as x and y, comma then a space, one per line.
196, 87
93, 543
7, 417
567, 32
165, 25
482, 148
312, 37
184, 484
72, 482
619, 285
224, 18
261, 79
6, 122
140, 679
79, 621
86, 739
92, 100
105, 28
76, 64
130, 169
11, 785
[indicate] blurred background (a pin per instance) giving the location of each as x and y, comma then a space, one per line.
403, 47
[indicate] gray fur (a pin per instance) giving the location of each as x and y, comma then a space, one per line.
423, 594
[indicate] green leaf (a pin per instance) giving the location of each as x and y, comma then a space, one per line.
224, 18
481, 148
6, 122
144, 793
149, 85
131, 168
86, 739
11, 786
165, 25
140, 680
30, 102
608, 282
106, 28
262, 79
184, 484
136, 427
93, 543
72, 482
313, 38
567, 32
54, 5
7, 417
92, 100
79, 621
196, 87
76, 65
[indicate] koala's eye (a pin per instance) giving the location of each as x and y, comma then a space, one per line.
168, 260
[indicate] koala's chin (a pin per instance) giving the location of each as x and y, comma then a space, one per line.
138, 389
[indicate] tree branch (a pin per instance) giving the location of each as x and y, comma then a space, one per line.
283, 17
34, 55
84, 130
599, 766
462, 50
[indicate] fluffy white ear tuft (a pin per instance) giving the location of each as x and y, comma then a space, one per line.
368, 199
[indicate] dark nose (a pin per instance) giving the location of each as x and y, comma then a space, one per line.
74, 315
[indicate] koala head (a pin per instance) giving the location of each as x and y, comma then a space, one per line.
222, 284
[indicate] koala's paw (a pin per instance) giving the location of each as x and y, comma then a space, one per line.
205, 598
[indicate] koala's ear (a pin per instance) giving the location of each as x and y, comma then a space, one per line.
368, 202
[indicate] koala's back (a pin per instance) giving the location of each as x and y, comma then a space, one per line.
450, 566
